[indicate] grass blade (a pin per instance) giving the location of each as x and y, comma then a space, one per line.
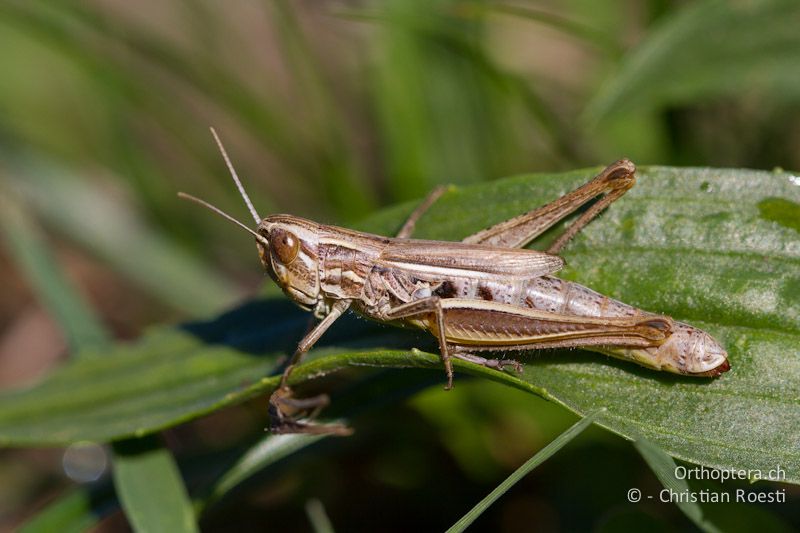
31, 252
320, 522
269, 450
663, 467
540, 457
339, 175
566, 25
150, 488
707, 49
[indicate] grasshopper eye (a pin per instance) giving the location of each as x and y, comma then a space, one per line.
284, 245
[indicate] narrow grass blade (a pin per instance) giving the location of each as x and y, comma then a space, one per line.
269, 450
320, 523
663, 467
339, 174
150, 488
705, 50
28, 248
543, 455
439, 98
563, 24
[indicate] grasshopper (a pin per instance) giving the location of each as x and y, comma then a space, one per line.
483, 294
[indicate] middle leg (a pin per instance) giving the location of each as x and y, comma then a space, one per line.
408, 228
427, 306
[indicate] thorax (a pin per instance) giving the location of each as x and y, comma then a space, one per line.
346, 259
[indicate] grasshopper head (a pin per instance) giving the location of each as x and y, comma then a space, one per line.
287, 245
288, 252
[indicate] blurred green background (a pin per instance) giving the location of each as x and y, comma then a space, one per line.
331, 110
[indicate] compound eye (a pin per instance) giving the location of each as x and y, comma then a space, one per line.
284, 246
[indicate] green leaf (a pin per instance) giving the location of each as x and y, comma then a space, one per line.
150, 489
706, 49
541, 456
703, 245
664, 468
175, 374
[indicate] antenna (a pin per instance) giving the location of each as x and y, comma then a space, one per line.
223, 214
235, 177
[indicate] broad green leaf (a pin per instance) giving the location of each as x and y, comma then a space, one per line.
541, 456
174, 374
150, 488
706, 246
706, 49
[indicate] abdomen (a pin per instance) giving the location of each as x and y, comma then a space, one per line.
545, 293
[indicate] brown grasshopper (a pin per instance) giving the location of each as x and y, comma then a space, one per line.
483, 294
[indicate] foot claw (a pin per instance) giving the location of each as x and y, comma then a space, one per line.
285, 413
516, 365
309, 428
496, 364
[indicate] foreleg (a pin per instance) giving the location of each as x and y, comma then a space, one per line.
284, 409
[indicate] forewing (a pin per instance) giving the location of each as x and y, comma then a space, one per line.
444, 258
